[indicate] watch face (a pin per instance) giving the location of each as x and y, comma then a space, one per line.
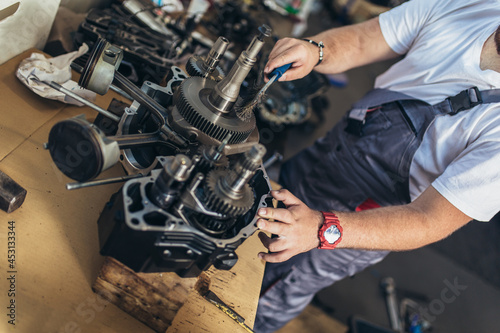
332, 234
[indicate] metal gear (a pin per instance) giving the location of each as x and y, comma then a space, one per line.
217, 200
212, 225
191, 101
207, 161
194, 67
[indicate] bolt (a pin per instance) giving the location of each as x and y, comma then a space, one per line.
264, 31
179, 167
110, 53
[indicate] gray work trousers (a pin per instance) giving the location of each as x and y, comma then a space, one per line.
339, 172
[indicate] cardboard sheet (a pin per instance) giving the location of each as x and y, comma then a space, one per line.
55, 239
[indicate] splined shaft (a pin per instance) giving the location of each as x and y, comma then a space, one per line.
234, 181
171, 180
228, 192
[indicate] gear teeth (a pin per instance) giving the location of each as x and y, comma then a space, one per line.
210, 223
252, 160
197, 120
193, 69
219, 203
205, 164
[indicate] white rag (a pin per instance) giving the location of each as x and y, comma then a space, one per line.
38, 68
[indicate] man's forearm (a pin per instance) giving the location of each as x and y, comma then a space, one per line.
427, 220
353, 46
395, 228
344, 48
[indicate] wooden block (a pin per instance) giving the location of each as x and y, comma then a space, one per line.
152, 298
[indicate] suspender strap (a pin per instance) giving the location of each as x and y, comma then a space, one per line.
377, 96
464, 100
468, 99
490, 96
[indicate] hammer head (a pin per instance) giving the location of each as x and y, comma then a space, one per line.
11, 194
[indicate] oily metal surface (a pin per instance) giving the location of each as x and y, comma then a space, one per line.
191, 100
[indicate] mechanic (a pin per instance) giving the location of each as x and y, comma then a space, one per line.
424, 145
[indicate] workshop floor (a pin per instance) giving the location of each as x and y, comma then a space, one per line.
456, 282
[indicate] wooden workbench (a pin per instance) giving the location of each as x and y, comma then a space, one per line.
56, 242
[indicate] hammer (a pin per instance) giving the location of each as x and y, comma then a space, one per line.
11, 194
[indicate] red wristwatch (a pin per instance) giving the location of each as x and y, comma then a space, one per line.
330, 233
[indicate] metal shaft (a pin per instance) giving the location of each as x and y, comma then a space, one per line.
197, 36
170, 181
392, 303
226, 92
215, 153
214, 56
234, 181
276, 157
77, 185
80, 99
134, 140
137, 94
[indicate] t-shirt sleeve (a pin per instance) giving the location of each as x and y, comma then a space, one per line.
402, 24
472, 181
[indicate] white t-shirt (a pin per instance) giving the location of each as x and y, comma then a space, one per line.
443, 40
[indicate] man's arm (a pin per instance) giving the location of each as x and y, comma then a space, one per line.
345, 48
426, 220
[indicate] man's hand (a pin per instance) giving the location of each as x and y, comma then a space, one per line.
303, 56
297, 227
344, 48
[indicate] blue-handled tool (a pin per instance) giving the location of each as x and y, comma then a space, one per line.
275, 75
246, 108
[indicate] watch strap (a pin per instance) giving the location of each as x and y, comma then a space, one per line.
330, 219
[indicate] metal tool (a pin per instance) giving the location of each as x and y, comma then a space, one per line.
58, 87
75, 186
389, 287
275, 75
247, 108
11, 194
212, 298
276, 157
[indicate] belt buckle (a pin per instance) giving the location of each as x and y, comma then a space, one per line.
465, 100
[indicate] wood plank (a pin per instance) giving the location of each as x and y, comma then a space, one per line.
238, 288
152, 298
166, 302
